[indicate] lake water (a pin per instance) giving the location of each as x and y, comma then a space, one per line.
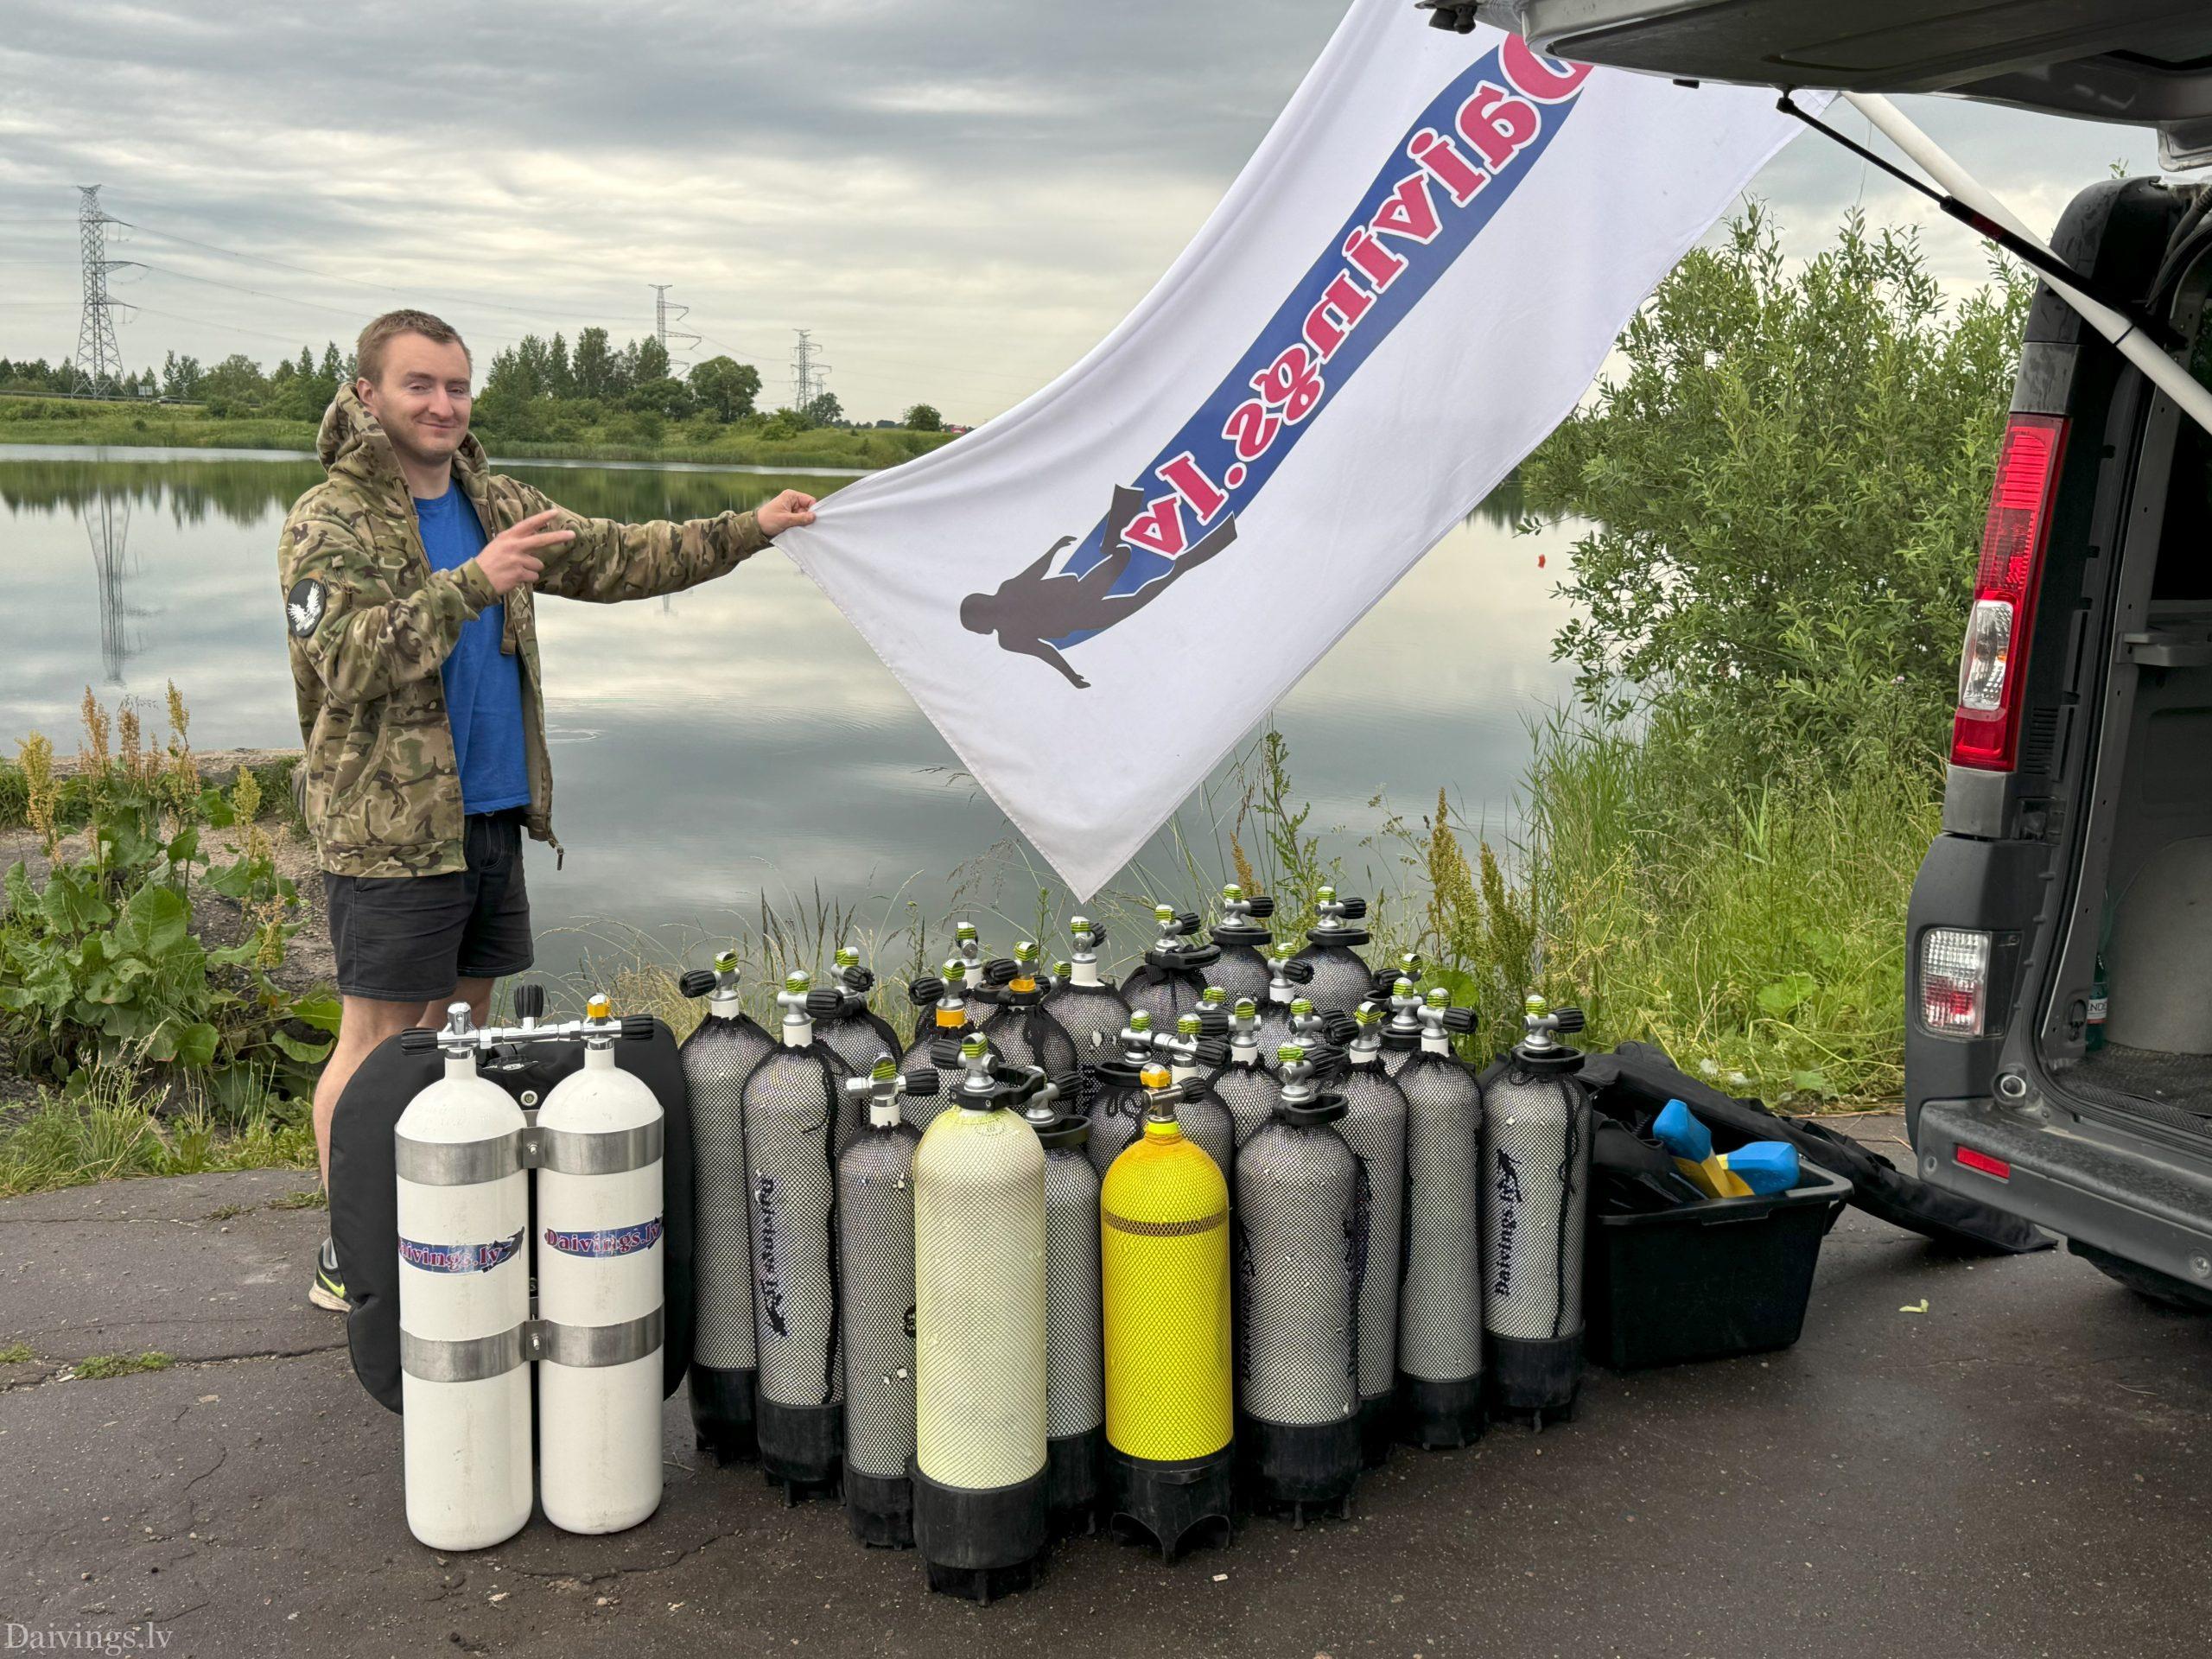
737, 742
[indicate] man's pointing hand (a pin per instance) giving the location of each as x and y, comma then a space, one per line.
779, 514
510, 559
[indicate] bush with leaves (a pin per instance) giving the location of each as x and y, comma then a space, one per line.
1789, 482
102, 963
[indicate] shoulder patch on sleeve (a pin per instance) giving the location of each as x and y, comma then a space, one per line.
303, 606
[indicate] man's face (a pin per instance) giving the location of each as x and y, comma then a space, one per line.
421, 398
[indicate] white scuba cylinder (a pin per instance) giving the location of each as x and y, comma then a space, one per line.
598, 1294
464, 1301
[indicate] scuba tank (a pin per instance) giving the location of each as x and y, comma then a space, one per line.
464, 1284
1341, 981
970, 949
1242, 970
1021, 1030
1535, 1194
1114, 1101
718, 1057
1192, 1056
875, 1266
791, 1116
1440, 1303
938, 1032
1301, 1247
1249, 1093
1090, 1012
981, 1492
1164, 1270
1075, 1385
1287, 976
1401, 1034
1300, 1024
1169, 981
600, 1224
854, 1035
1374, 1127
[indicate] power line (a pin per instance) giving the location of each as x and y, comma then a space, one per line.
661, 320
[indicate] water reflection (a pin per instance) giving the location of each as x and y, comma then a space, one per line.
737, 742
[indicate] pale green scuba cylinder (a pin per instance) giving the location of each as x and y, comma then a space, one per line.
982, 1505
875, 1262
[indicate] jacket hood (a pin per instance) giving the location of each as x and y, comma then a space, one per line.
351, 444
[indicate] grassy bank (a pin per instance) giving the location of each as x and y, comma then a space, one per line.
623, 438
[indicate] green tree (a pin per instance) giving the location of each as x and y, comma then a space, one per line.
648, 360
562, 380
823, 409
924, 417
726, 386
236, 383
1788, 484
666, 395
594, 365
180, 376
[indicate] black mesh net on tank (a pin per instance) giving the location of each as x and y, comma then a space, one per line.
790, 1120
875, 1197
717, 1059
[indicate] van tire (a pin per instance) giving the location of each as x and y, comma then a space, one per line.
2146, 1282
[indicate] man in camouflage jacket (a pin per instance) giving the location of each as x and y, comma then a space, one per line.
425, 890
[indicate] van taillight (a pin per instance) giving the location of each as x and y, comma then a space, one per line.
1953, 982
1985, 733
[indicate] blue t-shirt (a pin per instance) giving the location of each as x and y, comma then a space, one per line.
483, 686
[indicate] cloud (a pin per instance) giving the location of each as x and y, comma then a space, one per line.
957, 200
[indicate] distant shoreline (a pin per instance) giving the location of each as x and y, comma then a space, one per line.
826, 451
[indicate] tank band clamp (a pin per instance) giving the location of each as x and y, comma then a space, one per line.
565, 1152
473, 1359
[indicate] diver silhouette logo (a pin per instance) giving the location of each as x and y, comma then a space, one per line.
1031, 609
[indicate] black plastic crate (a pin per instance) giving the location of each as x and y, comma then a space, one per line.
1707, 1280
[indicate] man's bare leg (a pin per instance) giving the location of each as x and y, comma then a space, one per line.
477, 993
362, 1023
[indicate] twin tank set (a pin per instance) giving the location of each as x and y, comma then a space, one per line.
1232, 1229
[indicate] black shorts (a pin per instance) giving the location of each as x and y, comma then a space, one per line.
408, 938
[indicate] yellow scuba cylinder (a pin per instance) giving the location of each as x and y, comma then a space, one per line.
1164, 1262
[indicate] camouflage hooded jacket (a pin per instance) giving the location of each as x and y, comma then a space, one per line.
370, 625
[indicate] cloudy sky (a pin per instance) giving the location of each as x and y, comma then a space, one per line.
957, 199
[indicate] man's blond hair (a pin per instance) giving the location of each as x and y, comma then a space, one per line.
368, 350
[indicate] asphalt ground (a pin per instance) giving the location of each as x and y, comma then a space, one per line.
2015, 1471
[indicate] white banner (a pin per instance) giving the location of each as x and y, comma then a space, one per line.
1413, 280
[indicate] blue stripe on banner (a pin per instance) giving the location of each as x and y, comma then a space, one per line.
610, 1242
1442, 183
460, 1258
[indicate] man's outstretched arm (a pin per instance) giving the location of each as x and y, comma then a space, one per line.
610, 562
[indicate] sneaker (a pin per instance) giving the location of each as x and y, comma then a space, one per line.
328, 1290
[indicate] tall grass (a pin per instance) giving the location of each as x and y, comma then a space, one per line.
1758, 936
110, 1125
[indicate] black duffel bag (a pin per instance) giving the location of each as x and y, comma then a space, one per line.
1641, 1077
